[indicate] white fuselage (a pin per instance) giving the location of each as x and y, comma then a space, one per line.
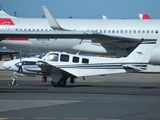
148, 29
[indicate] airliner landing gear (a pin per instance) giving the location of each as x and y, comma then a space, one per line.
44, 79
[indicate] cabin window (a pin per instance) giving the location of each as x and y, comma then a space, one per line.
125, 31
75, 59
104, 31
134, 31
143, 31
156, 31
152, 31
109, 31
52, 57
139, 31
113, 31
117, 31
147, 31
130, 31
121, 31
64, 58
84, 60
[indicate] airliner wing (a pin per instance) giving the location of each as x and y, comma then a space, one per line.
94, 36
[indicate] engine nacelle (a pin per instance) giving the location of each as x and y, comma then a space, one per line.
155, 57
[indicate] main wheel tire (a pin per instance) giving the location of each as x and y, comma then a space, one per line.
62, 83
55, 84
44, 79
72, 80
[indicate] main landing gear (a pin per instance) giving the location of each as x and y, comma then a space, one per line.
44, 79
61, 83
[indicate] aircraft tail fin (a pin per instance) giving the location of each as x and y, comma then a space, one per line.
143, 52
144, 16
4, 14
52, 22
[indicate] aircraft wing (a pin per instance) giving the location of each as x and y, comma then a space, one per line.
86, 69
94, 36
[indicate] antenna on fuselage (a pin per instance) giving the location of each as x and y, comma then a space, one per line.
15, 13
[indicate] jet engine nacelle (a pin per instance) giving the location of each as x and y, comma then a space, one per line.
155, 57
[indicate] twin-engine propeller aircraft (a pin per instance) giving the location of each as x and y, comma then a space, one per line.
61, 66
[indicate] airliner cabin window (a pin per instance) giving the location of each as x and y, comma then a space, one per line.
152, 31
64, 58
84, 60
143, 31
52, 57
75, 59
156, 31
117, 31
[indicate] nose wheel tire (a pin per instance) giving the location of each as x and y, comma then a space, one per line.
13, 82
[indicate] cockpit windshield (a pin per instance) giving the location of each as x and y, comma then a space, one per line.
52, 57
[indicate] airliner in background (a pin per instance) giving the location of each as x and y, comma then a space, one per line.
94, 35
119, 48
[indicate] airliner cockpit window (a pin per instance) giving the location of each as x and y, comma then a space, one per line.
52, 57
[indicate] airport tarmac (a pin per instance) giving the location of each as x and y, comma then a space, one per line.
112, 97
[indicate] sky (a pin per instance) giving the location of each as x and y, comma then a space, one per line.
85, 9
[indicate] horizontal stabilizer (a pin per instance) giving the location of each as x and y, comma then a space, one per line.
136, 67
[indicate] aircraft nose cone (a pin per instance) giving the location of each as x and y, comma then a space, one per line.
6, 65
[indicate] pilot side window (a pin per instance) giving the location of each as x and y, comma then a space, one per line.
64, 58
52, 57
75, 59
84, 60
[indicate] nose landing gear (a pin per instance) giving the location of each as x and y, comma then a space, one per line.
13, 81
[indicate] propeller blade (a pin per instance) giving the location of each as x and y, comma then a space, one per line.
20, 69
